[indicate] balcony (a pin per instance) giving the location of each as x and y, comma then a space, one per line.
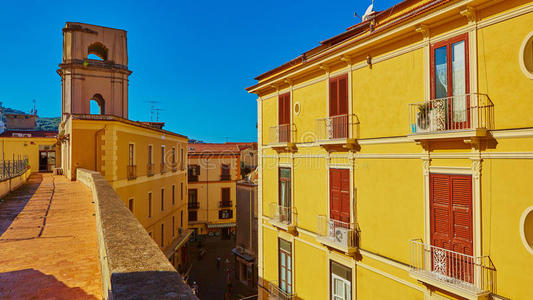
461, 274
338, 235
277, 292
193, 178
225, 203
282, 137
150, 169
194, 205
163, 168
132, 172
338, 132
283, 217
225, 177
457, 117
174, 167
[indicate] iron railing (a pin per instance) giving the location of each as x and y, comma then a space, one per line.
174, 167
283, 214
132, 172
13, 168
473, 274
461, 112
282, 134
225, 177
277, 292
337, 127
150, 170
163, 168
225, 203
338, 233
193, 205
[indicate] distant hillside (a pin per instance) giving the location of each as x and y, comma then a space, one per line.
48, 124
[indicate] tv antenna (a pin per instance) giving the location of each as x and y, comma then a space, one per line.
153, 109
157, 110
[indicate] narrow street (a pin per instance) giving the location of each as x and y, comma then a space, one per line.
212, 281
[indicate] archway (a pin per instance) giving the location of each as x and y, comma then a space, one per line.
97, 105
98, 50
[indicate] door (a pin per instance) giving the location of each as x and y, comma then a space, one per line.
338, 107
450, 83
285, 266
284, 118
452, 225
339, 195
285, 205
341, 281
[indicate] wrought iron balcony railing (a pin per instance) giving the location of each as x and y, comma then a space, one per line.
283, 216
163, 168
456, 113
225, 203
194, 205
340, 127
132, 172
174, 167
150, 170
225, 177
471, 274
282, 134
276, 292
340, 235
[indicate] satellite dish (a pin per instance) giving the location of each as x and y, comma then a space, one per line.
369, 11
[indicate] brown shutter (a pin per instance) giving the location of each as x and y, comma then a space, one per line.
343, 95
451, 212
339, 194
333, 97
225, 194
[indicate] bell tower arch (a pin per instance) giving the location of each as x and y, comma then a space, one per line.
103, 79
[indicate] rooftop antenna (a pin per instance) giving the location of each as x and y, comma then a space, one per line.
157, 110
152, 108
34, 109
369, 11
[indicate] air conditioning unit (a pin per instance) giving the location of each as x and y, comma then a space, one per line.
341, 236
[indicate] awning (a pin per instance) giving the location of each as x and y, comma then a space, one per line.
178, 242
244, 256
222, 225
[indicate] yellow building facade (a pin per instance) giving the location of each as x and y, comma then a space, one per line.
40, 151
144, 164
214, 170
395, 158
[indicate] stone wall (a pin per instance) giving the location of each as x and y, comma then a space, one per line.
10, 184
133, 266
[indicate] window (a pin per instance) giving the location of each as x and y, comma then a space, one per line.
451, 222
284, 118
194, 172
181, 158
173, 194
163, 160
162, 235
339, 195
225, 172
131, 155
341, 282
284, 200
450, 80
181, 191
338, 107
173, 226
526, 229
130, 204
526, 56
193, 216
225, 214
162, 199
150, 155
181, 218
285, 266
173, 155
226, 197
149, 205
193, 195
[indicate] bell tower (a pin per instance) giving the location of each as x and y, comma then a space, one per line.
94, 68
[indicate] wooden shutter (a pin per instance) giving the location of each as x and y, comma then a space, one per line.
225, 194
284, 110
339, 195
333, 97
338, 96
451, 212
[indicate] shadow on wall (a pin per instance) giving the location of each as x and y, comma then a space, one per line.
141, 284
14, 202
14, 285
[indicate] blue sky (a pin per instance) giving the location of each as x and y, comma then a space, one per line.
194, 57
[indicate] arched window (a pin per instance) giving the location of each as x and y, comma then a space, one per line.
97, 105
97, 50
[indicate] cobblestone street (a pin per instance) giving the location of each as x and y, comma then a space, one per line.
212, 281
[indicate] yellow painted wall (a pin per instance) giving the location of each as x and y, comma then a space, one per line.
25, 147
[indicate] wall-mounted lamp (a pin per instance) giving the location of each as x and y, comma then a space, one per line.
369, 61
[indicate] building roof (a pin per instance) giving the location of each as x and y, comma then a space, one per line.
25, 133
213, 148
243, 146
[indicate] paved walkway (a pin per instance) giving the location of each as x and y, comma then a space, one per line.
48, 243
